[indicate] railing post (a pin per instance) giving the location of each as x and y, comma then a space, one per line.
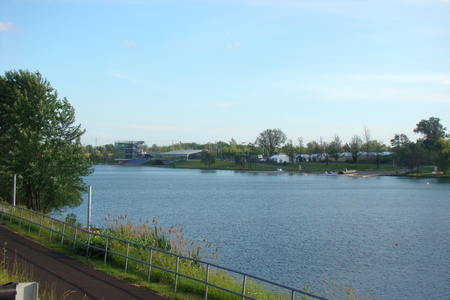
74, 240
50, 233
62, 234
88, 243
176, 275
20, 219
292, 295
40, 226
126, 258
10, 217
149, 265
243, 287
106, 251
14, 189
89, 207
206, 285
29, 222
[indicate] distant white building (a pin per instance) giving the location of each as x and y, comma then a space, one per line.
279, 158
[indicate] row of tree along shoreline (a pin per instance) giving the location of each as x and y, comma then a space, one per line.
40, 146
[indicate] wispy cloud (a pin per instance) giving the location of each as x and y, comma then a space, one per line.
8, 26
228, 32
129, 44
233, 46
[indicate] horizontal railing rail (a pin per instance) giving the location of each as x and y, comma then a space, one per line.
77, 231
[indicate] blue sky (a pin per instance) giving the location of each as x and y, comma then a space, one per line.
204, 71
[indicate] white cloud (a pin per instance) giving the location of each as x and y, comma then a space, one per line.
129, 44
8, 26
227, 32
233, 46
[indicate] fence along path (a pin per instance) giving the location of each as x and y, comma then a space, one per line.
67, 275
63, 230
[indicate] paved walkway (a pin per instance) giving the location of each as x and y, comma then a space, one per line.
69, 274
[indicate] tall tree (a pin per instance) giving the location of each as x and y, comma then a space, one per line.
355, 147
366, 135
335, 148
400, 140
208, 158
432, 131
312, 147
270, 139
289, 149
301, 148
443, 152
40, 143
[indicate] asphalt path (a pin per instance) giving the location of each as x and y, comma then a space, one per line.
70, 275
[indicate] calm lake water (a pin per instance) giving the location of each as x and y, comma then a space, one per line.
389, 237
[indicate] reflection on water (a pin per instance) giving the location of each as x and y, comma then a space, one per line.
388, 236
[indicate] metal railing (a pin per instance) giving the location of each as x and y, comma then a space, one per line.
60, 227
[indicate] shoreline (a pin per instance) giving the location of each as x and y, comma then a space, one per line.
360, 173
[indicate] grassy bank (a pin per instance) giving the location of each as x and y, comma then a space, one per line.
425, 172
305, 167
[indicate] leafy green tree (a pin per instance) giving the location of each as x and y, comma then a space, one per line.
432, 130
270, 139
355, 147
289, 149
400, 140
443, 152
413, 155
367, 135
208, 158
40, 143
301, 148
335, 148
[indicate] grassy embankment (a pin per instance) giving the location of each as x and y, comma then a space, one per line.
424, 172
171, 240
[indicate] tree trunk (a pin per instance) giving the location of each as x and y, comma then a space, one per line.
31, 197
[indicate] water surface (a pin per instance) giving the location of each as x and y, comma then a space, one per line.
388, 236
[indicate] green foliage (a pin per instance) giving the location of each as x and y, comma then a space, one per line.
443, 152
39, 143
413, 155
270, 139
71, 218
208, 158
335, 148
432, 130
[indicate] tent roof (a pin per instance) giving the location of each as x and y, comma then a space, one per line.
181, 152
